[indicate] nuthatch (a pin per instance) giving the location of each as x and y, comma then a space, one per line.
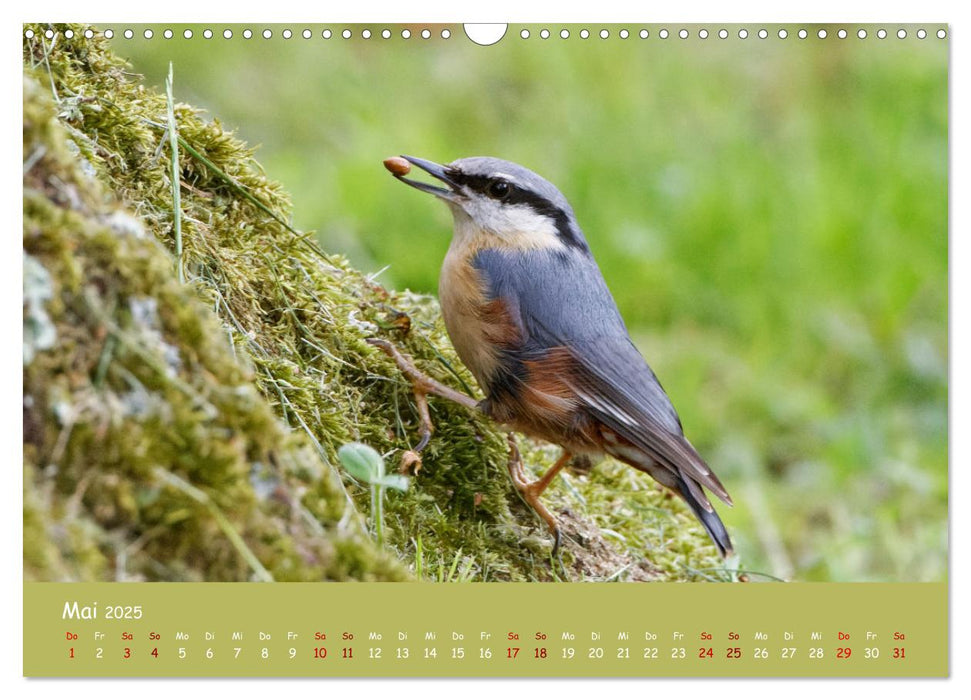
530, 315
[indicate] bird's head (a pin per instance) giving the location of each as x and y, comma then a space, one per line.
501, 203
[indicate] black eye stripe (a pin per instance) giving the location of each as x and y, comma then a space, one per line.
519, 195
516, 194
476, 183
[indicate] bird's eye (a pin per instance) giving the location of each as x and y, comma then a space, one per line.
498, 189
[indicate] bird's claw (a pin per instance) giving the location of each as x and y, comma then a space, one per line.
421, 385
532, 489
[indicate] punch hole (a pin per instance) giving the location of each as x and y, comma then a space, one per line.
604, 33
703, 33
446, 34
287, 34
941, 34
327, 34
881, 34
109, 33
486, 34
88, 34
68, 33
722, 33
207, 33
564, 33
841, 33
29, 34
129, 34
663, 34
248, 34
425, 34
743, 33
821, 33
227, 34
366, 34
803, 33
644, 34
50, 33
584, 34
683, 34
901, 33
187, 34
921, 34
385, 33
346, 34
763, 34
168, 34
306, 34
783, 33
405, 34
624, 33
524, 34
544, 34
861, 33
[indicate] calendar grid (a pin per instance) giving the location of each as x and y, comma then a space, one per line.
508, 630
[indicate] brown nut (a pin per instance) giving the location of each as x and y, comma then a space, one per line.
397, 166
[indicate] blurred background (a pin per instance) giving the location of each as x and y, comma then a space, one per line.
771, 216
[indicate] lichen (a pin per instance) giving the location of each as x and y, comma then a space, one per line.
189, 431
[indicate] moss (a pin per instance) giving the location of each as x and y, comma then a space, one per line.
189, 431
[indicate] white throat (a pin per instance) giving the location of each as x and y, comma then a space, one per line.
488, 223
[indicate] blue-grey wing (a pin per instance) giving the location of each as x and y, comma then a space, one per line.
562, 301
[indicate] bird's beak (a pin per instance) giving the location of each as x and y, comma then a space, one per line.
439, 172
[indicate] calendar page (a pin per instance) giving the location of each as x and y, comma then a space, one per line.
513, 350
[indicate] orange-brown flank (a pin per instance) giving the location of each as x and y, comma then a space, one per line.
397, 166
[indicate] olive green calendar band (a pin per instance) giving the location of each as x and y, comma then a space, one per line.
481, 630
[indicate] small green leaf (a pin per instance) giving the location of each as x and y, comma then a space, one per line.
361, 461
393, 481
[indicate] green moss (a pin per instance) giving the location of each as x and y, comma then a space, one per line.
189, 431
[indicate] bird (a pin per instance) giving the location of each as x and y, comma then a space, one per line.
530, 315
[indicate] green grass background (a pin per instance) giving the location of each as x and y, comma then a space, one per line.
771, 216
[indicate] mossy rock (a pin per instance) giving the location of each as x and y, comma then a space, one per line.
188, 430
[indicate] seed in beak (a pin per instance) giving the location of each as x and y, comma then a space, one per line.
397, 166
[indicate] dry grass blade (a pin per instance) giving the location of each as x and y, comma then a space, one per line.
176, 179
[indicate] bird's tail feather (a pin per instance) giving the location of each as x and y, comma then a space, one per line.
709, 518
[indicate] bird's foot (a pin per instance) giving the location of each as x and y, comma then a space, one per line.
421, 385
532, 489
